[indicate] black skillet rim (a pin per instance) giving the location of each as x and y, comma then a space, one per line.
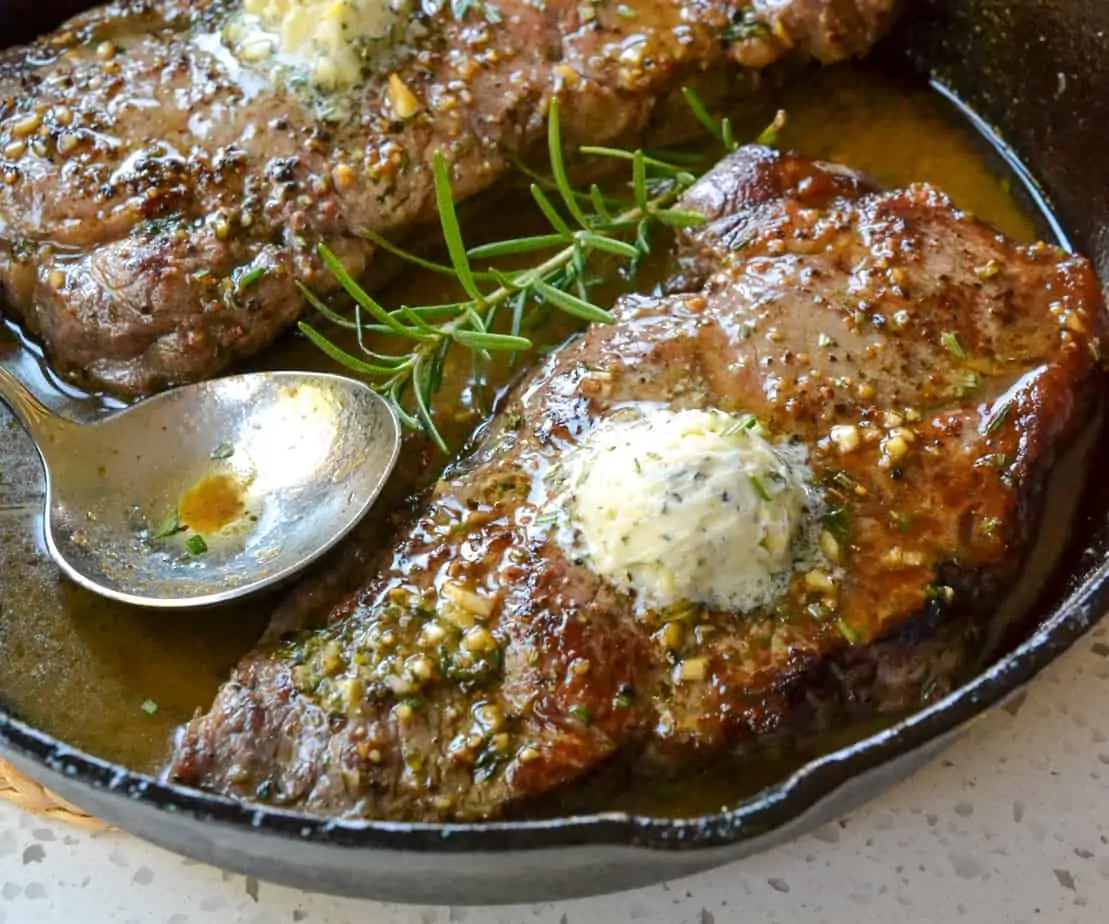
1086, 599
771, 809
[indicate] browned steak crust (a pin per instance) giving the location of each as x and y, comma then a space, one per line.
142, 179
810, 299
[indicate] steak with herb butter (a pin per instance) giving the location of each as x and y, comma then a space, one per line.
789, 490
168, 167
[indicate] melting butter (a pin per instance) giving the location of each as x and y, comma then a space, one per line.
328, 43
688, 506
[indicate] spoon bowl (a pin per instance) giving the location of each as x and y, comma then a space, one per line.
212, 491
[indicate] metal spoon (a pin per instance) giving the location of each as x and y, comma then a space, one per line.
273, 468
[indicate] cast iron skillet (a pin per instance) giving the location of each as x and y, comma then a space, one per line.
1036, 72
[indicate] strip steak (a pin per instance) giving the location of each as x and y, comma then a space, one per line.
961, 363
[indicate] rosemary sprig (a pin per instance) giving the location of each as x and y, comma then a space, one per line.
582, 226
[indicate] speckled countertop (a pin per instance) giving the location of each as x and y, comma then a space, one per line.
1012, 825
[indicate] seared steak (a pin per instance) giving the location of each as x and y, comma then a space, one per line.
933, 369
158, 201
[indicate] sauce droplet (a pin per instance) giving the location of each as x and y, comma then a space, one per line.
212, 503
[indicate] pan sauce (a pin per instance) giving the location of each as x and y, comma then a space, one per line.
116, 681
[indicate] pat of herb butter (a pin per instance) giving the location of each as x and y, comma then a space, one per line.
688, 506
326, 42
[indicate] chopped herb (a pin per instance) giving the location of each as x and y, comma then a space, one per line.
847, 632
243, 278
623, 701
817, 611
154, 227
222, 451
991, 525
962, 385
682, 612
168, 527
469, 672
487, 763
149, 707
196, 545
582, 714
950, 340
1000, 415
838, 522
940, 593
760, 488
900, 521
844, 481
745, 30
744, 423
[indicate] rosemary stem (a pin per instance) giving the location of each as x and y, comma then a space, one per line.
625, 220
618, 227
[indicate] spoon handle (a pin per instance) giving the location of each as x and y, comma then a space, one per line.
35, 416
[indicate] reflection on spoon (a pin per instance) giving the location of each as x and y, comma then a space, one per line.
209, 492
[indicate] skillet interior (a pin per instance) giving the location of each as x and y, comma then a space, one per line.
977, 48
